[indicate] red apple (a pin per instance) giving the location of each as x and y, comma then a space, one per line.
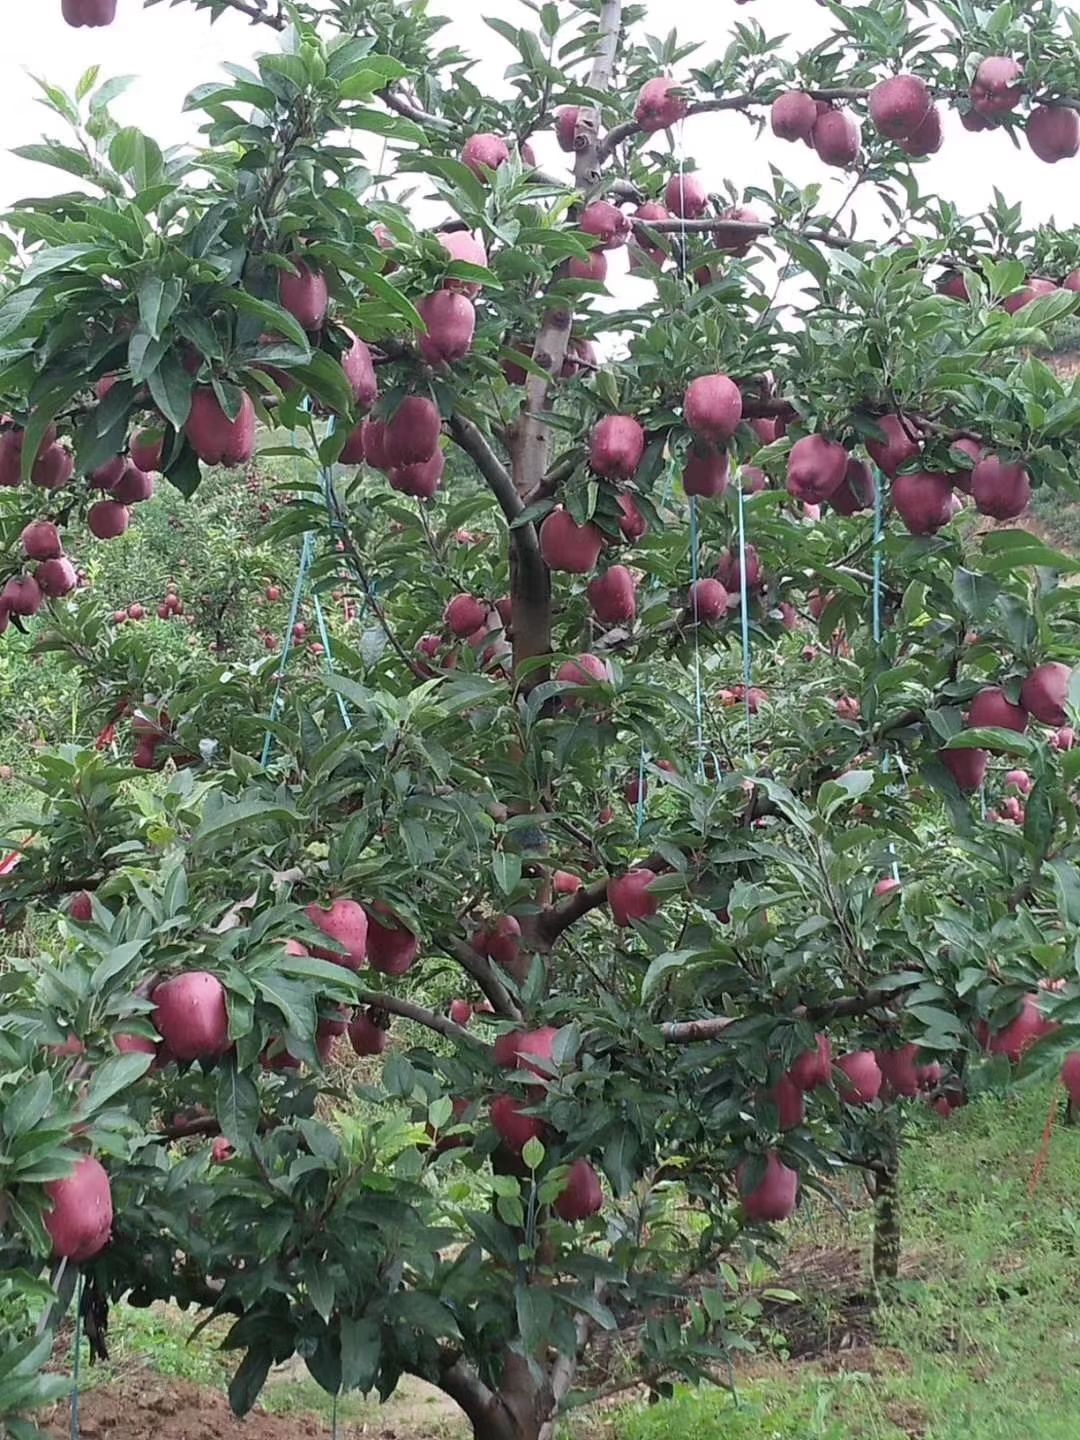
630, 896
192, 1016
773, 1198
80, 1221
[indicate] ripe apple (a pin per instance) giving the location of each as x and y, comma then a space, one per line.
660, 104
899, 105
713, 408
816, 468
898, 1067
391, 948
706, 472
567, 546
514, 1128
304, 294
607, 223
582, 1195
793, 116
192, 1016
215, 438
613, 596
630, 896
862, 1077
80, 1221
365, 1036
1045, 693
835, 137
346, 923
484, 152
773, 1198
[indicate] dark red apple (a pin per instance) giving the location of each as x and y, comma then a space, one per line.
899, 105
773, 1198
707, 602
793, 116
707, 472
1045, 693
613, 596
997, 87
90, 13
412, 435
391, 948
484, 152
365, 1036
712, 407
686, 196
450, 318
661, 103
192, 1016
923, 501
897, 447
999, 489
630, 896
862, 1077
80, 1221
215, 438
606, 222
992, 707
56, 577
816, 468
582, 1195
967, 767
898, 1071
304, 294
835, 137
346, 923
567, 546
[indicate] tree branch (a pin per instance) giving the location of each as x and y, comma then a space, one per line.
419, 1014
256, 12
745, 229
480, 970
711, 1027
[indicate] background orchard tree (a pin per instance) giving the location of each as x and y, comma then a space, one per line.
623, 860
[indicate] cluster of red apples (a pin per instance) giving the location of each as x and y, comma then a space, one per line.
1043, 697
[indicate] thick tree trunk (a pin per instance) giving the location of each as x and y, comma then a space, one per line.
886, 1258
520, 1409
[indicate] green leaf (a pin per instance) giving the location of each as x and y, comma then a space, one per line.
114, 1075
236, 1104
361, 1351
506, 868
27, 1106
250, 1377
172, 386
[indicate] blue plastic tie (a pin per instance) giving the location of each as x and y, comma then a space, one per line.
286, 648
699, 703
745, 598
879, 538
75, 1361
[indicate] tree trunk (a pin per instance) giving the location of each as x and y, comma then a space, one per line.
886, 1171
520, 1409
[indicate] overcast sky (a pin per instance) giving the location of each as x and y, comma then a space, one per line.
172, 50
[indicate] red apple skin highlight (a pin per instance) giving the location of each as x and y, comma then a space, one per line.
80, 1221
192, 1016
773, 1199
1045, 693
346, 922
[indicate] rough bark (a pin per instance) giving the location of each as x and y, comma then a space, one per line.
531, 442
886, 1173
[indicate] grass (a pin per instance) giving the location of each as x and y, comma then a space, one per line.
980, 1344
979, 1341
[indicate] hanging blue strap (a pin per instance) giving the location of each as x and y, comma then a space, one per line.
287, 643
744, 588
879, 541
699, 702
328, 654
76, 1359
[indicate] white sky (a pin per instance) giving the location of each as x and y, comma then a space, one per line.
172, 50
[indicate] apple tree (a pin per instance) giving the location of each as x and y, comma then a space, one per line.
698, 789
